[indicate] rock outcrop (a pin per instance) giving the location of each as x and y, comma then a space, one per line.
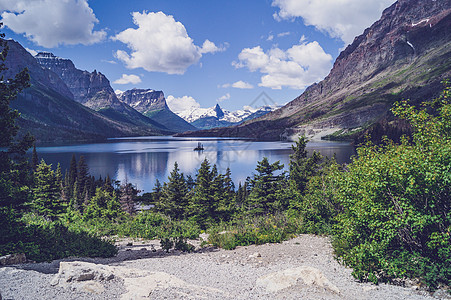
300, 276
13, 259
140, 284
152, 104
93, 89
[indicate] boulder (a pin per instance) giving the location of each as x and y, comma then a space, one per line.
140, 284
309, 276
13, 259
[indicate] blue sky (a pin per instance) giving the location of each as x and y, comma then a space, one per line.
198, 52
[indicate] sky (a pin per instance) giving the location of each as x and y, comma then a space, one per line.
198, 52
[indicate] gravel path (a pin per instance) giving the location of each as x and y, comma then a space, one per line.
228, 274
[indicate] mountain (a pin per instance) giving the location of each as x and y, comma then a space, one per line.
49, 112
152, 104
93, 89
404, 55
214, 117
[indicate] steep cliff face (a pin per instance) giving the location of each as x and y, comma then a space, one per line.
49, 112
90, 89
93, 90
152, 104
404, 55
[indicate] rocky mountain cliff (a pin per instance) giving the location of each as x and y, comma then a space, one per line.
404, 55
93, 90
152, 104
49, 112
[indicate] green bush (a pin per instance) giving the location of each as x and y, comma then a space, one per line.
257, 230
396, 219
152, 225
43, 240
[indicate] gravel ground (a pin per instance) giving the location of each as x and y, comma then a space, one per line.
233, 272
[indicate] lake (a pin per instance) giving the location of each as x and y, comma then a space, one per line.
142, 160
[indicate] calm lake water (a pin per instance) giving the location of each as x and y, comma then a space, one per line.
142, 160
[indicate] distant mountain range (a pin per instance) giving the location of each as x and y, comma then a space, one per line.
404, 55
214, 117
152, 104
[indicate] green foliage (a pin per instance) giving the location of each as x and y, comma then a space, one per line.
267, 195
396, 219
46, 193
104, 205
152, 225
174, 201
257, 230
42, 240
14, 175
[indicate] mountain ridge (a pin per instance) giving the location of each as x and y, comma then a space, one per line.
48, 110
93, 89
152, 104
403, 55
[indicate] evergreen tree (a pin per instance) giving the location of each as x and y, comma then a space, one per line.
127, 198
76, 201
73, 173
267, 195
302, 168
103, 205
83, 173
226, 199
156, 192
203, 205
14, 169
46, 194
174, 200
190, 183
34, 158
67, 190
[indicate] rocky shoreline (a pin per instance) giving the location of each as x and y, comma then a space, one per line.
300, 268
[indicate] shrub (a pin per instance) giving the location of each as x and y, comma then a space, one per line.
43, 240
396, 219
258, 230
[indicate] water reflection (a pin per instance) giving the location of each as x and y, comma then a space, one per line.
143, 160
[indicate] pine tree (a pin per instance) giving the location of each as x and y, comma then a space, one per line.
103, 204
174, 200
83, 173
156, 192
46, 194
266, 194
127, 198
73, 173
302, 168
14, 169
203, 205
34, 158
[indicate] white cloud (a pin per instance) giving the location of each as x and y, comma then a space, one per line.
270, 37
210, 47
182, 104
297, 67
242, 85
126, 79
344, 19
160, 44
282, 34
238, 85
223, 98
50, 23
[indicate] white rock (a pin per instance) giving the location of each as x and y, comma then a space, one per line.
139, 283
310, 276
